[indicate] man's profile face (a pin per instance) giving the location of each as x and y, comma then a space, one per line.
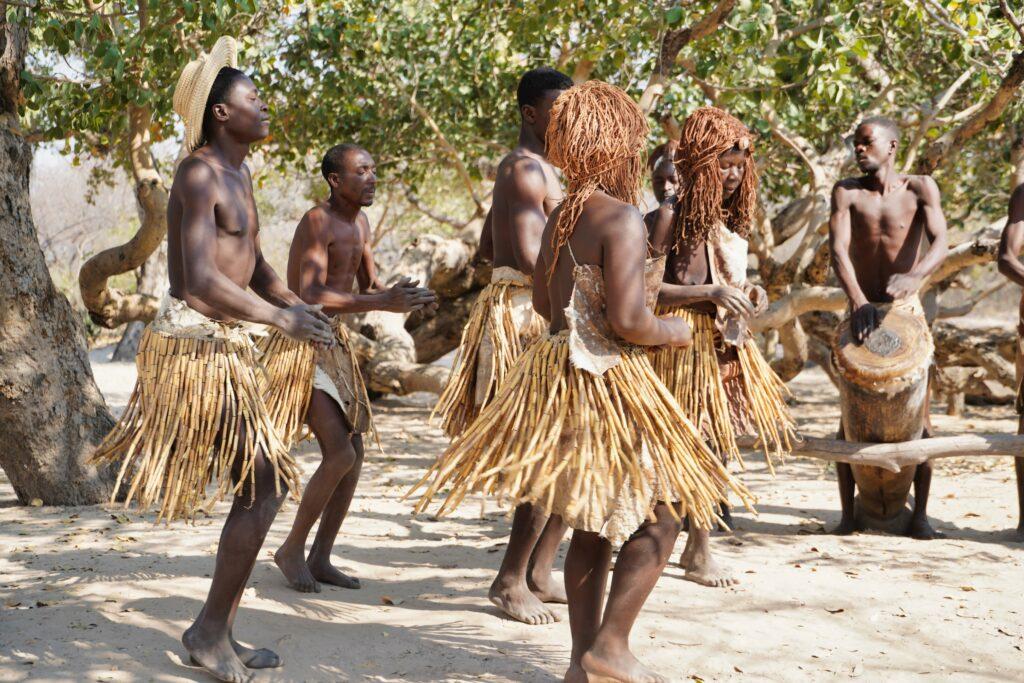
356, 181
872, 147
664, 179
539, 115
732, 166
243, 113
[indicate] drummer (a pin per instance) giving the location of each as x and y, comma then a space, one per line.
876, 233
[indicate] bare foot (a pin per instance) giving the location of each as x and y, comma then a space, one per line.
256, 658
617, 664
295, 571
518, 602
922, 530
325, 572
546, 588
701, 568
847, 525
216, 655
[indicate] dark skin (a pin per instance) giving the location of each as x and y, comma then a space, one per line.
1010, 245
610, 234
214, 259
329, 253
525, 192
878, 225
688, 283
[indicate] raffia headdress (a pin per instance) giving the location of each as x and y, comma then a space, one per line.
596, 135
194, 86
708, 133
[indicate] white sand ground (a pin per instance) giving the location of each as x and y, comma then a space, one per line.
96, 594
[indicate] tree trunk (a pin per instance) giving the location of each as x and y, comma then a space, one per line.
152, 281
109, 307
51, 413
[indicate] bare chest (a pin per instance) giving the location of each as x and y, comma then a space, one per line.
886, 219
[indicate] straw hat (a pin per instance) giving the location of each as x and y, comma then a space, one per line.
194, 86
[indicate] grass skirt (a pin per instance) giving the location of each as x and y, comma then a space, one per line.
582, 445
752, 403
501, 325
196, 413
294, 369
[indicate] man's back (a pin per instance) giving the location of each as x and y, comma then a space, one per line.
526, 184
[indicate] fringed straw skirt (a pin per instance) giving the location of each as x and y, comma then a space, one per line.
195, 416
502, 323
294, 369
598, 450
754, 402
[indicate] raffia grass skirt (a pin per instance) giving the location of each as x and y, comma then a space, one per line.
501, 325
293, 369
582, 446
753, 403
193, 400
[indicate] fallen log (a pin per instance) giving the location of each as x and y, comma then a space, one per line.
895, 456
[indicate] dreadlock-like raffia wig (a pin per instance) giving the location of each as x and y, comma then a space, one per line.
596, 135
707, 134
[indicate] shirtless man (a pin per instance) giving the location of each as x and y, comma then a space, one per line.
214, 259
330, 251
1009, 265
876, 230
526, 191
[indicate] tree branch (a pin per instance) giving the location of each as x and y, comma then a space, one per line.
453, 153
947, 146
672, 43
1012, 19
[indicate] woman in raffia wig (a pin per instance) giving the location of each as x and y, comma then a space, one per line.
583, 427
722, 381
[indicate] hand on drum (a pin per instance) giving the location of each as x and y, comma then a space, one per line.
903, 285
863, 322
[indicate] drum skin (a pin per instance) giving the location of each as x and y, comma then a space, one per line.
883, 388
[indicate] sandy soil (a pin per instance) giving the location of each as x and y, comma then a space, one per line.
97, 594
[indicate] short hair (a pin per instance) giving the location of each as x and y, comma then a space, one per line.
536, 82
226, 79
882, 122
335, 157
665, 149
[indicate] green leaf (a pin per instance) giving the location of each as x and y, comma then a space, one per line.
674, 15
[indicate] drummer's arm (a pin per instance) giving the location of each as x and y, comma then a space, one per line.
839, 231
865, 317
903, 285
1012, 240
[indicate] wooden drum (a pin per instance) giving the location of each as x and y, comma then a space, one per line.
883, 388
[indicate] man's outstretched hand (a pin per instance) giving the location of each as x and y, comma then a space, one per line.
306, 322
406, 295
863, 322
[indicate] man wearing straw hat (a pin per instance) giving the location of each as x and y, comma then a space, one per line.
197, 412
501, 325
1010, 246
